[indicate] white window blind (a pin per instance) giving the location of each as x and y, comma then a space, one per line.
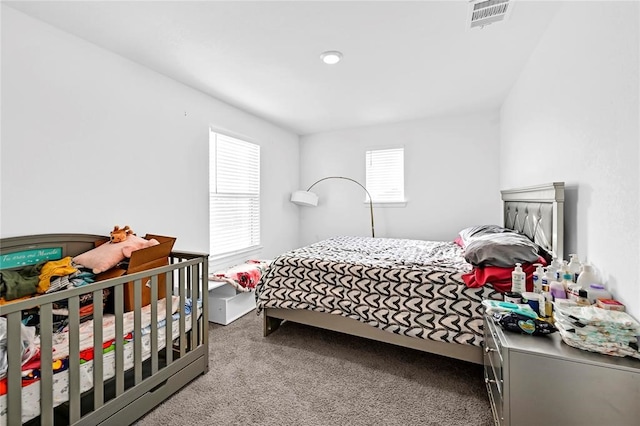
385, 175
234, 195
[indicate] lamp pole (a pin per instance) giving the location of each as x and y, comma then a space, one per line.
373, 233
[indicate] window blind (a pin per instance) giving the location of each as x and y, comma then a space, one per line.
234, 195
385, 175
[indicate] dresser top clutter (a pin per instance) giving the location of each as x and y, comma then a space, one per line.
552, 346
564, 357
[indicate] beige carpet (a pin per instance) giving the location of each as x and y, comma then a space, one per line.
301, 375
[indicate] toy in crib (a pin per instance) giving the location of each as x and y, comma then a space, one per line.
120, 234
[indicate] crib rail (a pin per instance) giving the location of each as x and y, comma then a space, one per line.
132, 390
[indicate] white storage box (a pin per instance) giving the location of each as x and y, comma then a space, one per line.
226, 304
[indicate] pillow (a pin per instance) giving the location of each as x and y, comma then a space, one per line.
107, 255
501, 249
467, 234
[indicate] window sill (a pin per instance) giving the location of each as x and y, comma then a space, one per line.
388, 204
226, 260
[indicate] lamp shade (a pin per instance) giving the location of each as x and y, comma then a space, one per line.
304, 198
308, 198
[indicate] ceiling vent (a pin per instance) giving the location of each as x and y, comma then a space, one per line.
485, 12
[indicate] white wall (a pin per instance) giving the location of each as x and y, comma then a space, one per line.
451, 178
91, 140
573, 116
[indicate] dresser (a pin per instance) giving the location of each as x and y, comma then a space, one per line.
540, 380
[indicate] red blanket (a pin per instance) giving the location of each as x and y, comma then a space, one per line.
499, 277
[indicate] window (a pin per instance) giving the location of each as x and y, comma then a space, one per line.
385, 175
234, 195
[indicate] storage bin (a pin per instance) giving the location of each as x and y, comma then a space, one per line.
226, 304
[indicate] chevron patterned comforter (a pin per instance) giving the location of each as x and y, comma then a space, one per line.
409, 287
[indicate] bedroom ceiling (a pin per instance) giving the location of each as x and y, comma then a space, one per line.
402, 60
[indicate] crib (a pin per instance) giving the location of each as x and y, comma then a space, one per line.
121, 363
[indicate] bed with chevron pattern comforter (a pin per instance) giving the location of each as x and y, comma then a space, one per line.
408, 287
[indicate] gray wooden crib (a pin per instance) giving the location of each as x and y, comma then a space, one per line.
121, 363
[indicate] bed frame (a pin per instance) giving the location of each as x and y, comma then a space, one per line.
130, 394
536, 211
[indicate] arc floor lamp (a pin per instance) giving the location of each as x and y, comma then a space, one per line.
310, 199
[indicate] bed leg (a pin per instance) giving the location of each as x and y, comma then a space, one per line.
270, 324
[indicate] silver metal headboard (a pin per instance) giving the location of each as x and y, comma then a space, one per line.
538, 213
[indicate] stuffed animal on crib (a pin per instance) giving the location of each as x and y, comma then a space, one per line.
120, 234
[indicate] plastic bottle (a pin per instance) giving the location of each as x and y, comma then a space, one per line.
554, 268
566, 279
572, 291
574, 266
582, 298
548, 306
557, 290
538, 275
588, 276
518, 279
547, 277
597, 291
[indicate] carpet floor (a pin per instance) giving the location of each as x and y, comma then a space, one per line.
301, 375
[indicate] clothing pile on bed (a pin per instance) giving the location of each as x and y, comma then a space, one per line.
494, 251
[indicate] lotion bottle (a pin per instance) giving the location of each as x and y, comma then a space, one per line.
538, 276
574, 267
554, 268
518, 279
547, 277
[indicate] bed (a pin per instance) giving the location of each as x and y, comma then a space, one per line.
112, 366
405, 292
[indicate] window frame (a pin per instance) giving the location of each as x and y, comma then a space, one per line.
238, 254
400, 202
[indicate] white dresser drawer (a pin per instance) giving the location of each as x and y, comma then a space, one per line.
495, 397
493, 358
532, 380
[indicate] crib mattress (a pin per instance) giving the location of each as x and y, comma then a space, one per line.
31, 392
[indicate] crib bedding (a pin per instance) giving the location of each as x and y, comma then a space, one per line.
409, 287
31, 388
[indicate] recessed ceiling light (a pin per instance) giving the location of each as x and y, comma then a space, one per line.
331, 57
